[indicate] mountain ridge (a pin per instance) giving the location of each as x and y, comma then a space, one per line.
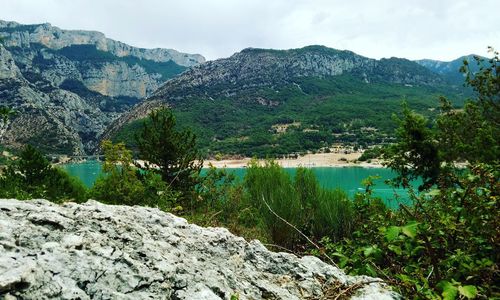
55, 38
255, 66
74, 83
81, 86
451, 69
266, 86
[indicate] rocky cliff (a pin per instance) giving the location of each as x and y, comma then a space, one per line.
252, 68
96, 251
52, 37
71, 84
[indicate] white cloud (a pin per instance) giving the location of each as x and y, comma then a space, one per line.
438, 29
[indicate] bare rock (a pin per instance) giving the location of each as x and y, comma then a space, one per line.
97, 251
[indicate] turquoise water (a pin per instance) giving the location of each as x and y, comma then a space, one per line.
349, 178
87, 171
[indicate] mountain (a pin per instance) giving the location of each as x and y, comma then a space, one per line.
67, 86
450, 70
273, 102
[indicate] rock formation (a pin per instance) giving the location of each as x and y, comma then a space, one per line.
252, 68
96, 251
69, 85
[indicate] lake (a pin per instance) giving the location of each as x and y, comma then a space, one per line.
347, 178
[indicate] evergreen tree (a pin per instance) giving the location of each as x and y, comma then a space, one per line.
32, 176
170, 152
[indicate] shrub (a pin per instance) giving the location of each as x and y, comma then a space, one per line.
307, 187
332, 215
302, 203
62, 186
123, 184
442, 246
215, 190
372, 153
269, 188
32, 176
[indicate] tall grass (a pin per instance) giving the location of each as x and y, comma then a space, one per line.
272, 185
333, 215
301, 202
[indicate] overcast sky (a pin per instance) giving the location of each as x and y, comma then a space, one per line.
414, 29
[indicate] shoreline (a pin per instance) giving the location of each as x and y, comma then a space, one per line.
318, 160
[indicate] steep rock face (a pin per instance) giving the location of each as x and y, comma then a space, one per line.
115, 252
260, 67
54, 119
74, 83
8, 68
54, 38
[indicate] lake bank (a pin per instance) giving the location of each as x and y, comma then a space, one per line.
309, 160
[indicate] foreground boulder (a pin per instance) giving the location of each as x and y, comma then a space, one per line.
97, 251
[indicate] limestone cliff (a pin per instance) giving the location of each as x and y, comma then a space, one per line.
71, 84
52, 37
96, 251
252, 68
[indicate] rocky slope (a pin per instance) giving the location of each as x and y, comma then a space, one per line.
96, 251
450, 70
252, 68
68, 85
234, 103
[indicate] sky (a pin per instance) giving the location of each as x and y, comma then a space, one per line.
413, 29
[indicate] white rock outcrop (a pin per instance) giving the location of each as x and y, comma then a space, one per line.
55, 38
97, 251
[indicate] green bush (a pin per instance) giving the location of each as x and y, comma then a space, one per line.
62, 186
118, 187
307, 187
332, 215
444, 245
32, 176
314, 211
269, 188
123, 184
372, 153
215, 191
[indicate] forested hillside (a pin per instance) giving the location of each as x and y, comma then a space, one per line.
270, 103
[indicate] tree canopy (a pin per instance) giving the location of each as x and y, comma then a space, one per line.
430, 149
170, 152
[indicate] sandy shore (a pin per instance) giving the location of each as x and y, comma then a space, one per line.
338, 160
308, 160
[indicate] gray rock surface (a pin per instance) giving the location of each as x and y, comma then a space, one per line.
96, 251
8, 68
70, 84
20, 35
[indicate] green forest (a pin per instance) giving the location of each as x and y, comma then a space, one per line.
317, 112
